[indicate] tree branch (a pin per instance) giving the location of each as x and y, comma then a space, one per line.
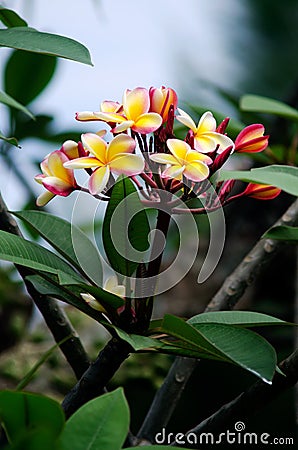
251, 401
233, 288
96, 377
54, 316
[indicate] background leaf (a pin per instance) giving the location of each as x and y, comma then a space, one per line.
283, 233
28, 39
242, 318
10, 18
24, 66
283, 177
22, 412
12, 103
136, 229
101, 423
257, 103
68, 240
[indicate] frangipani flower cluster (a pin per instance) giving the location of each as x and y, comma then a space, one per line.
143, 146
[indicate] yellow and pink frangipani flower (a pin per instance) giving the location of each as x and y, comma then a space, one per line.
133, 113
115, 157
183, 161
206, 139
161, 99
107, 106
57, 179
261, 191
251, 139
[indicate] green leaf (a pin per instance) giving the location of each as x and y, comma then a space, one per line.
29, 254
12, 103
11, 140
101, 423
241, 318
129, 227
257, 103
138, 342
177, 327
10, 18
24, 66
283, 233
283, 177
68, 240
22, 412
28, 39
234, 344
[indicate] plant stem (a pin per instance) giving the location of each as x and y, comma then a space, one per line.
94, 380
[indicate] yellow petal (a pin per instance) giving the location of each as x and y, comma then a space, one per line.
109, 117
123, 126
120, 144
136, 103
55, 163
86, 162
127, 164
206, 123
99, 180
174, 172
184, 118
163, 158
179, 149
221, 140
44, 198
196, 171
147, 123
96, 146
194, 156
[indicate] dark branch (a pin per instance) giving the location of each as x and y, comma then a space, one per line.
251, 401
54, 316
233, 288
96, 377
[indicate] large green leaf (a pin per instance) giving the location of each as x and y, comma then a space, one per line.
68, 240
101, 423
29, 254
10, 18
23, 66
283, 177
130, 227
235, 344
28, 39
12, 103
257, 103
282, 233
241, 318
22, 412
